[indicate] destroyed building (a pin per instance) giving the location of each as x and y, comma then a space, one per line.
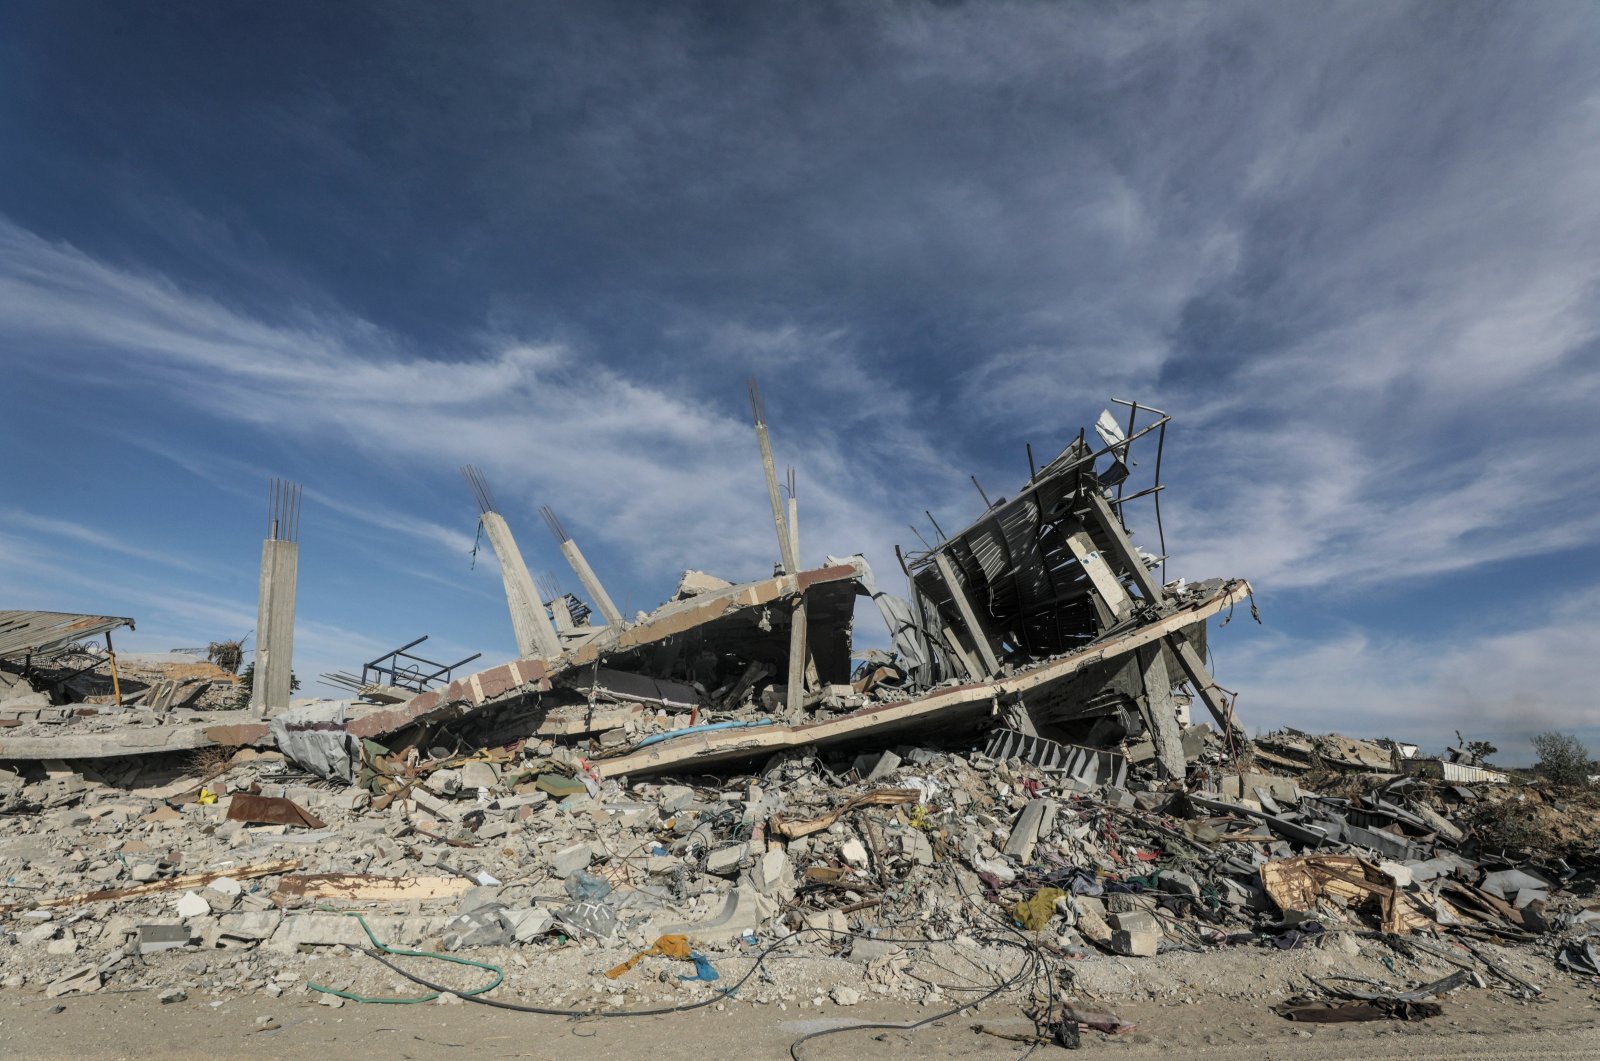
730, 776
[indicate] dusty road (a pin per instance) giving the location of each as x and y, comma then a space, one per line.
1477, 1025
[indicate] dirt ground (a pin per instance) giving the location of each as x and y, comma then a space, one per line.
1485, 1024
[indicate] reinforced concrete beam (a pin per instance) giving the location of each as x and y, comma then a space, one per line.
980, 638
1127, 554
1195, 669
1110, 595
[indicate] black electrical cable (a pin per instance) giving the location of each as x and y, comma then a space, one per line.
1031, 969
1034, 968
654, 1012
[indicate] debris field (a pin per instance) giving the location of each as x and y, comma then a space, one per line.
725, 802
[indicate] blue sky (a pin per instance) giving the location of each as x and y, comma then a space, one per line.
1355, 249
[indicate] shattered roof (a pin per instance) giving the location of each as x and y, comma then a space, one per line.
46, 634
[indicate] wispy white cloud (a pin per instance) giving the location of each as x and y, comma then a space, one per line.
668, 479
99, 539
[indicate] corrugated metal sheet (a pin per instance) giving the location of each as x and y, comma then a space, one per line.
46, 634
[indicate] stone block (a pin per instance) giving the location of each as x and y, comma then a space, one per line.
193, 904
569, 860
853, 852
724, 861
254, 925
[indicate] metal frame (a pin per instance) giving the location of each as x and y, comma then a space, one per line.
388, 666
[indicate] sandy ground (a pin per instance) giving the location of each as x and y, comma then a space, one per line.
1565, 1023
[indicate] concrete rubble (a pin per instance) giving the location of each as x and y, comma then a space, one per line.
1015, 786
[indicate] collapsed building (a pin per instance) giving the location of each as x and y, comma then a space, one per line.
732, 772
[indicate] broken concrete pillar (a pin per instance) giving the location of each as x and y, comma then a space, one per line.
1126, 554
786, 551
1161, 714
536, 636
1110, 596
969, 616
1194, 669
794, 697
280, 566
591, 583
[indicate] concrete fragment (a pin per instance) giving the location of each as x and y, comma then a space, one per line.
674, 798
745, 909
914, 845
831, 922
875, 768
529, 923
193, 904
158, 937
83, 980
1137, 935
477, 774
1025, 833
1091, 916
853, 852
569, 860
1177, 882
254, 925
771, 875
724, 861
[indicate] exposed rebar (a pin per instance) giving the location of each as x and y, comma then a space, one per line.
554, 524
283, 510
480, 489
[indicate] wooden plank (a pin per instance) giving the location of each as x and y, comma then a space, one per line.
171, 884
365, 886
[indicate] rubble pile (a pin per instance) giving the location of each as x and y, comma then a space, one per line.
926, 875
1008, 801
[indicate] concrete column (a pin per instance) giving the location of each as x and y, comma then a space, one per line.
1160, 712
786, 552
1111, 598
591, 583
798, 657
1195, 669
280, 568
1127, 555
536, 637
980, 637
561, 614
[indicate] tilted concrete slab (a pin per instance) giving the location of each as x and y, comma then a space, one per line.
946, 707
524, 677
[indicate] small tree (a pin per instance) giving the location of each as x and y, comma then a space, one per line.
1481, 750
1561, 758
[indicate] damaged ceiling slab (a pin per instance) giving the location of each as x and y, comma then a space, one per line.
40, 636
